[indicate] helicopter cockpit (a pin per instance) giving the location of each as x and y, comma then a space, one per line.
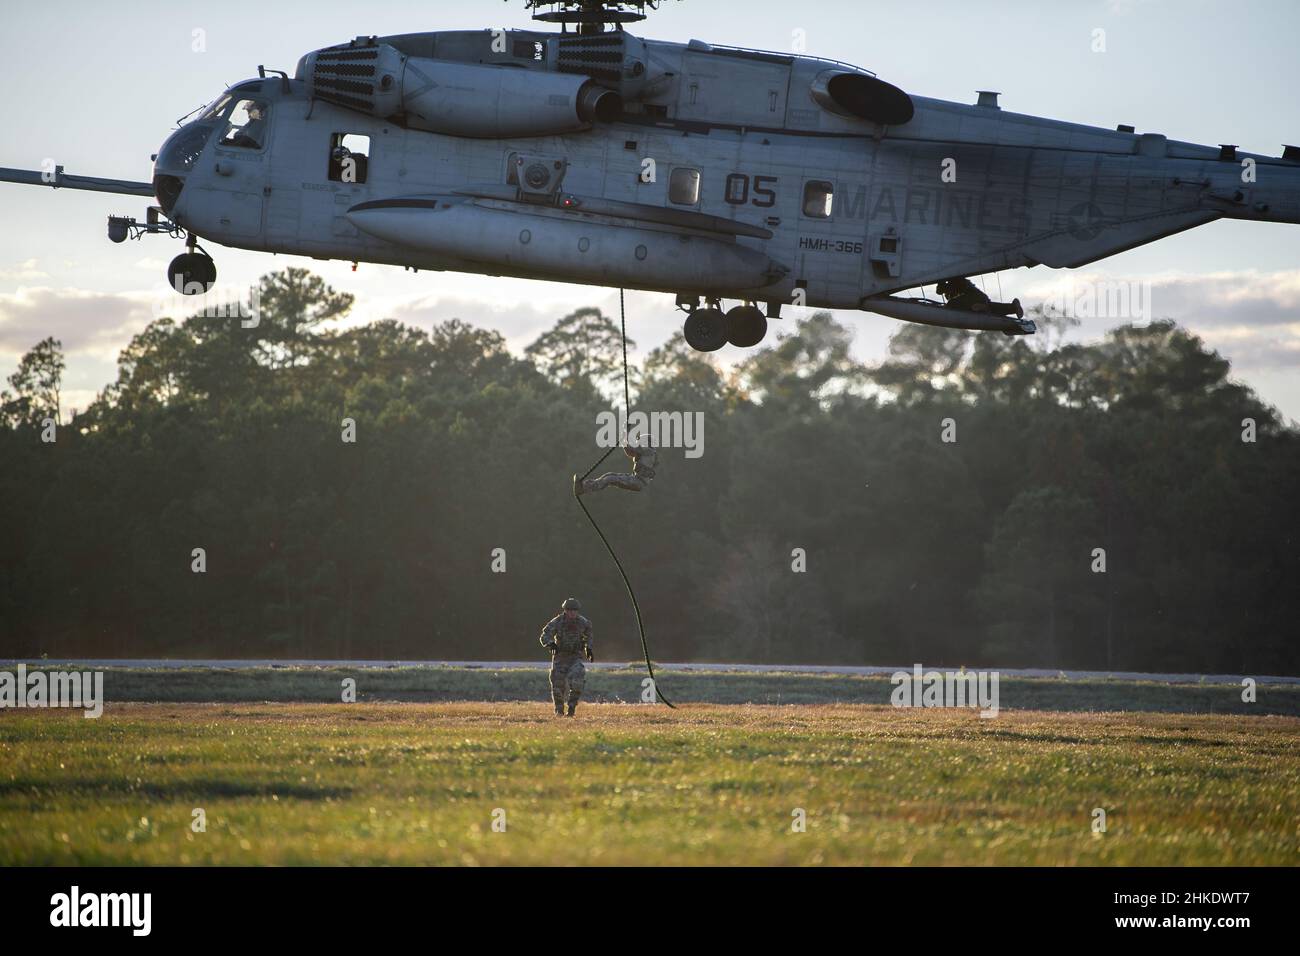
246, 121
239, 117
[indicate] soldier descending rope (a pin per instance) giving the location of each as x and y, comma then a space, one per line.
644, 460
568, 637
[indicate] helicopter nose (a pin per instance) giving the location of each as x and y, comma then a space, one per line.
167, 190
175, 159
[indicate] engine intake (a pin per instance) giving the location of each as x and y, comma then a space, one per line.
459, 99
863, 96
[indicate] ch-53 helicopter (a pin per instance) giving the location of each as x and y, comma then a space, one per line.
710, 172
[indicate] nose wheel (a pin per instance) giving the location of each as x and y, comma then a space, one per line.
192, 273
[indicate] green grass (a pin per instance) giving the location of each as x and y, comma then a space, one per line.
323, 685
416, 783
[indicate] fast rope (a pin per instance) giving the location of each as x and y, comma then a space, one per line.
627, 405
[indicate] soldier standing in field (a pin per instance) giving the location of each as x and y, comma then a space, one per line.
568, 637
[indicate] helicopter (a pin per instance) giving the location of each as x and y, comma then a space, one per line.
708, 172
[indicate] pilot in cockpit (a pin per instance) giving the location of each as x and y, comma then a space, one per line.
255, 129
251, 134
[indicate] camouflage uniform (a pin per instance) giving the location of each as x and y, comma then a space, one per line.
964, 294
644, 459
568, 640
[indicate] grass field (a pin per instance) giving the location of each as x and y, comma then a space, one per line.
623, 684
417, 783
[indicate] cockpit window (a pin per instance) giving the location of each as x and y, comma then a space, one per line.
218, 107
247, 125
181, 151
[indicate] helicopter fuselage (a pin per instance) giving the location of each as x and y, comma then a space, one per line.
709, 172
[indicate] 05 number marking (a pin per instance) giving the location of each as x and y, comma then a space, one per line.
761, 193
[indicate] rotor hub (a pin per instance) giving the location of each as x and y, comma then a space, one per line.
591, 16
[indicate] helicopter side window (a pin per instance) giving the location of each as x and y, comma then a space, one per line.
247, 129
349, 158
818, 198
684, 186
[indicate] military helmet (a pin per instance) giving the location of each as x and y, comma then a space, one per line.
571, 604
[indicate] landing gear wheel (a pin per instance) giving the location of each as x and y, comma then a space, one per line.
746, 326
191, 273
705, 330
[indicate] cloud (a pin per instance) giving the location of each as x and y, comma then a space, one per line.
1251, 317
25, 271
519, 322
1230, 299
651, 318
1256, 350
85, 322
92, 323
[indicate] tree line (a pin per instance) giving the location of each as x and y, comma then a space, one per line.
972, 499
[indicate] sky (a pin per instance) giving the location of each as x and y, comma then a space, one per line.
97, 87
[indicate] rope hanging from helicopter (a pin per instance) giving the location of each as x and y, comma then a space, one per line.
636, 608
